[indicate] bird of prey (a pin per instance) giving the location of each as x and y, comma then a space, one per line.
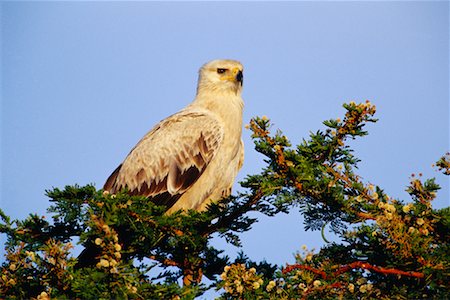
192, 157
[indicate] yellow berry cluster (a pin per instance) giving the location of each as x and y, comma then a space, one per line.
237, 279
109, 243
52, 258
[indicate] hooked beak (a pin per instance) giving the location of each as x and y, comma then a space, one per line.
240, 77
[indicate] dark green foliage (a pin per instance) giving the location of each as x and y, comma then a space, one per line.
388, 249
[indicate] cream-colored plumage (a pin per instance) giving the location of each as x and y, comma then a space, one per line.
192, 157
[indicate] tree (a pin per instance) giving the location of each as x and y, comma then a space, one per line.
389, 248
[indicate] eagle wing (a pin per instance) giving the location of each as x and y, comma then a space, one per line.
170, 158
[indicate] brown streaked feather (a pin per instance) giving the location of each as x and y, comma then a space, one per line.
140, 176
202, 144
198, 160
185, 179
148, 190
111, 181
170, 158
166, 199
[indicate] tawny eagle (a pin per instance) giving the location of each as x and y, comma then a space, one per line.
192, 157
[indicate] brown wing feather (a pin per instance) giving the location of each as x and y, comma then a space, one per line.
169, 159
110, 182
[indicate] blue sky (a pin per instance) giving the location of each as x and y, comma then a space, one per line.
82, 82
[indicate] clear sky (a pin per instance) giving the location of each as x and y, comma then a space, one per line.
82, 82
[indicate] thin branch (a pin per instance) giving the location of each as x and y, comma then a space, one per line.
290, 268
164, 261
353, 265
223, 222
386, 271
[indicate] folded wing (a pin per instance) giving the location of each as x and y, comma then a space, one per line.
170, 158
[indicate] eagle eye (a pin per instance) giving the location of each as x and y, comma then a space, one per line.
221, 71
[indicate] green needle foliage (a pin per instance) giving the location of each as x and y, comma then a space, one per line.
388, 249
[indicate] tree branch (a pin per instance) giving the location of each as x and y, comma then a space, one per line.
353, 265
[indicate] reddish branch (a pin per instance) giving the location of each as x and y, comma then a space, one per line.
354, 265
166, 261
386, 271
365, 216
290, 268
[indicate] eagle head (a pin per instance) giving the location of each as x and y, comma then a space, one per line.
221, 75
